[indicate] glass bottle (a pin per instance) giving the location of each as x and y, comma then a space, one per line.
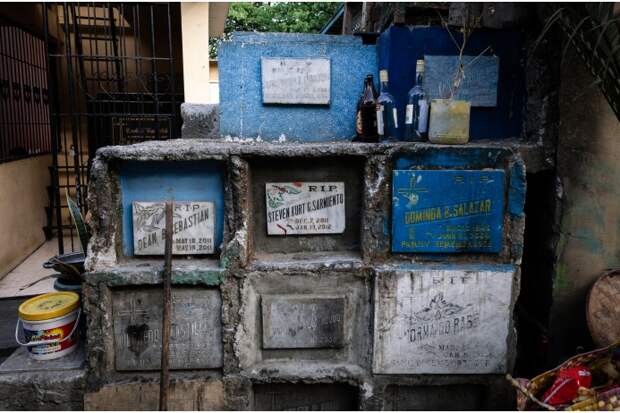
387, 115
367, 119
416, 113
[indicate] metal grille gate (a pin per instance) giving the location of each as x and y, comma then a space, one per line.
115, 79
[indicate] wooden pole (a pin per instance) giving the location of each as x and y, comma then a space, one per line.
167, 298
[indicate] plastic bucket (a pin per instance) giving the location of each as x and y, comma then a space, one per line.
49, 325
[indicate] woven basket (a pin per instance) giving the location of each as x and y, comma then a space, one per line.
529, 391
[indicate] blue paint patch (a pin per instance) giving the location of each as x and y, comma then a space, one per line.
453, 157
478, 87
399, 47
447, 211
242, 112
179, 181
516, 190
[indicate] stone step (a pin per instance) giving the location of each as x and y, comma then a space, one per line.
28, 384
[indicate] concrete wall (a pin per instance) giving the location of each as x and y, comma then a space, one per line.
589, 167
22, 208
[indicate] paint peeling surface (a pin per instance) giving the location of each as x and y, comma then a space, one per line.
442, 321
447, 211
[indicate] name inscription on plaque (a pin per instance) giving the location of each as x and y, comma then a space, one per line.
447, 211
195, 337
442, 321
302, 322
305, 208
296, 81
193, 228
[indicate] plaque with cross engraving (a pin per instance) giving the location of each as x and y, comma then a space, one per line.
447, 211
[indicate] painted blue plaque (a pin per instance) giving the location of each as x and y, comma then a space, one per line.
479, 86
447, 211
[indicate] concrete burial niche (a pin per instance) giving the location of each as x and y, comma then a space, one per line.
447, 397
289, 214
320, 318
333, 396
197, 190
263, 95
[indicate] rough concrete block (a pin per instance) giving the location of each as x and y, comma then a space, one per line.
28, 384
183, 395
444, 321
447, 397
305, 397
200, 121
311, 313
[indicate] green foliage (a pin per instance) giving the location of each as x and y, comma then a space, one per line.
296, 17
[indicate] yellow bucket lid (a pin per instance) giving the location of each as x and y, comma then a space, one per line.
47, 306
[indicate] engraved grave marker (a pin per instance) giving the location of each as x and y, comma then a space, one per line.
296, 81
195, 339
284, 396
447, 211
305, 208
442, 321
291, 321
193, 228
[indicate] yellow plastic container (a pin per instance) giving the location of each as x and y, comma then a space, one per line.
49, 323
449, 121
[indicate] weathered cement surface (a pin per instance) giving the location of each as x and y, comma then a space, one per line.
200, 121
183, 395
27, 384
589, 234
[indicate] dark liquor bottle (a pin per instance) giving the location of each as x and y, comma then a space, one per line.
367, 119
416, 113
387, 115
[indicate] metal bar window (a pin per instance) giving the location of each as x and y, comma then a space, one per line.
24, 114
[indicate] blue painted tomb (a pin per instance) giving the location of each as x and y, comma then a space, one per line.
242, 110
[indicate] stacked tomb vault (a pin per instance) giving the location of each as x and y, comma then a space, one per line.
309, 272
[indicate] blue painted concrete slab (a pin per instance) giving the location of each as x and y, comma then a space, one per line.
242, 112
178, 181
447, 211
400, 46
479, 86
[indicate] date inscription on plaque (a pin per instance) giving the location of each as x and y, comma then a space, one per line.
447, 211
193, 228
305, 208
443, 321
295, 321
195, 337
296, 81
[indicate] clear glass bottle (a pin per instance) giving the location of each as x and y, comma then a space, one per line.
387, 114
416, 113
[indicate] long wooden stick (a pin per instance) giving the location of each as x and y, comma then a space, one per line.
167, 298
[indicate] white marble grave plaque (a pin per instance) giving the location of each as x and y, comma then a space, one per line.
442, 321
296, 81
298, 321
305, 208
193, 228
